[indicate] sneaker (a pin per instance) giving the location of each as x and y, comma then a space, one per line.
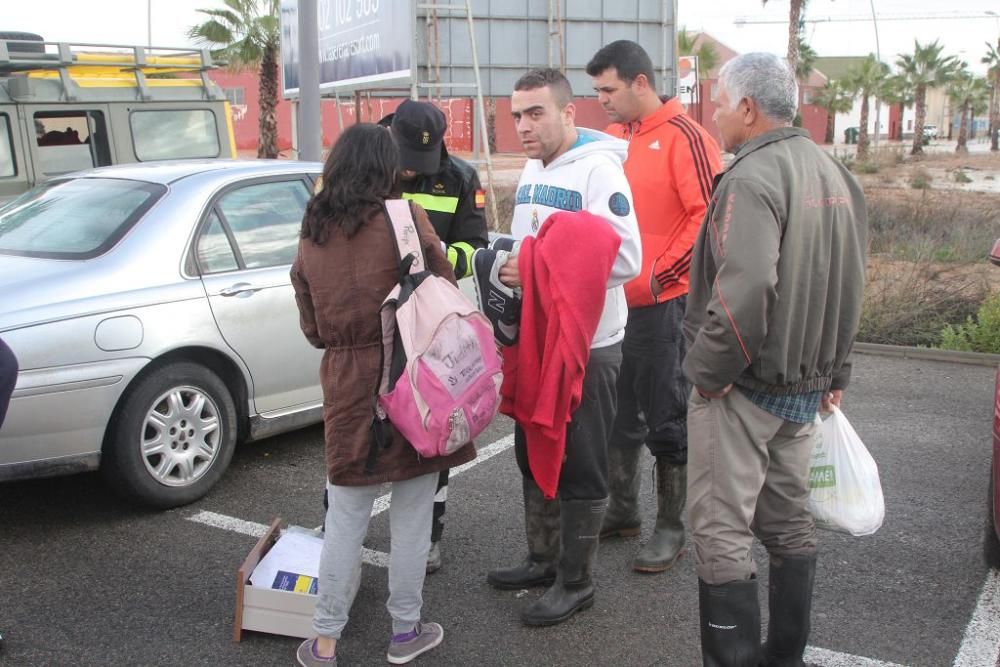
307, 657
506, 243
404, 648
434, 558
500, 304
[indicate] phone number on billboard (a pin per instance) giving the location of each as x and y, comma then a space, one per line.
345, 11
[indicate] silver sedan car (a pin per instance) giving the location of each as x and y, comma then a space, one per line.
153, 319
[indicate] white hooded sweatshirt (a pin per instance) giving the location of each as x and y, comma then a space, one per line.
588, 177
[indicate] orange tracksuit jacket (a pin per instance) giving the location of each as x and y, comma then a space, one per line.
671, 163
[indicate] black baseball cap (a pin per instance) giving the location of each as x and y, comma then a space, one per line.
418, 128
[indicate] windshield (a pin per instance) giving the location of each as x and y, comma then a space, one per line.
74, 219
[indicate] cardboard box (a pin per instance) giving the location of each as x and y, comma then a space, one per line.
266, 609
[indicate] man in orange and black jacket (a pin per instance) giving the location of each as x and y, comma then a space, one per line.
670, 167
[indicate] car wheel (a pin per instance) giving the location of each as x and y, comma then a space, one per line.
991, 544
173, 437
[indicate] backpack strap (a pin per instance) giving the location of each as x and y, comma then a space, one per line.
404, 230
399, 217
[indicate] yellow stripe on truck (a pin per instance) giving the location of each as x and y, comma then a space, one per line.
433, 202
229, 128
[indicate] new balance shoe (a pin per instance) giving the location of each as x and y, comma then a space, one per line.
500, 304
504, 243
406, 647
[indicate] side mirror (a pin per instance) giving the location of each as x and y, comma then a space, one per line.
995, 253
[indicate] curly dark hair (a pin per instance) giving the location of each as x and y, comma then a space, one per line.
359, 175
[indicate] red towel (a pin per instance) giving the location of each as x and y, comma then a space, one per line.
564, 275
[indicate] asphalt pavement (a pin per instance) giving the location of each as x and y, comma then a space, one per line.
88, 580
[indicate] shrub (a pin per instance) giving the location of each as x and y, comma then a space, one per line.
981, 334
932, 226
867, 167
909, 303
961, 177
920, 180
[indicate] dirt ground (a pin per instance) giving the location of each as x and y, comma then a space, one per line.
976, 172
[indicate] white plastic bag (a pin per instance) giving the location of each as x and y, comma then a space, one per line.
845, 494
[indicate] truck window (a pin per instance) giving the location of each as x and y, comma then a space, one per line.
71, 140
174, 134
7, 167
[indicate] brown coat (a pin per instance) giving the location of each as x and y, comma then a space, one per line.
339, 288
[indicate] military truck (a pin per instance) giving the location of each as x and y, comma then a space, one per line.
65, 107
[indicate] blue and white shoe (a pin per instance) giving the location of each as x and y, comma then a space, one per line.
500, 304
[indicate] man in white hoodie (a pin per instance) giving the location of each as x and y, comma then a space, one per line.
570, 169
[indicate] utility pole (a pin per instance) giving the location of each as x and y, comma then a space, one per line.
309, 130
878, 95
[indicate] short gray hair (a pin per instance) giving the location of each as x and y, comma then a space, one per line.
766, 79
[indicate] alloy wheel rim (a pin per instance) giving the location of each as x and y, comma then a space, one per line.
180, 436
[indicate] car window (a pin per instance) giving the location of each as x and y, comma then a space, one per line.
265, 219
74, 219
215, 253
70, 141
7, 167
171, 134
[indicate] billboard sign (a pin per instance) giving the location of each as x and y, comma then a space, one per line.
687, 80
362, 44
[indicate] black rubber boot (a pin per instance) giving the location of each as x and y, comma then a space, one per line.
573, 589
622, 517
541, 527
666, 544
730, 624
789, 599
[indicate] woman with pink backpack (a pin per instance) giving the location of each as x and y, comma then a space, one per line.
346, 264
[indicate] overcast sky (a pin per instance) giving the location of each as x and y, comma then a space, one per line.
125, 22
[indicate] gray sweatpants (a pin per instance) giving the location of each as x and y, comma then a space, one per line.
748, 474
410, 509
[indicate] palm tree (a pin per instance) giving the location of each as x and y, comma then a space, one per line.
247, 34
992, 60
867, 78
969, 94
925, 68
708, 57
795, 11
806, 62
836, 99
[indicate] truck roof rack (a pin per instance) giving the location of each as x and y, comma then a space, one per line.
107, 60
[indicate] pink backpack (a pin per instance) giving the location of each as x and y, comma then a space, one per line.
441, 370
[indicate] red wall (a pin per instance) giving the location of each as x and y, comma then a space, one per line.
246, 118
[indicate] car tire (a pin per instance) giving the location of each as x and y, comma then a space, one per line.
991, 544
172, 438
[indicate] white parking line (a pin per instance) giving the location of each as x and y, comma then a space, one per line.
825, 658
483, 455
982, 636
253, 529
224, 522
369, 556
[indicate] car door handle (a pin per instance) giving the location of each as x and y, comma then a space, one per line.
239, 289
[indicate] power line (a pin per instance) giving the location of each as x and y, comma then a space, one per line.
747, 20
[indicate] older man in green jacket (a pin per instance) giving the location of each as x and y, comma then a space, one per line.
774, 305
